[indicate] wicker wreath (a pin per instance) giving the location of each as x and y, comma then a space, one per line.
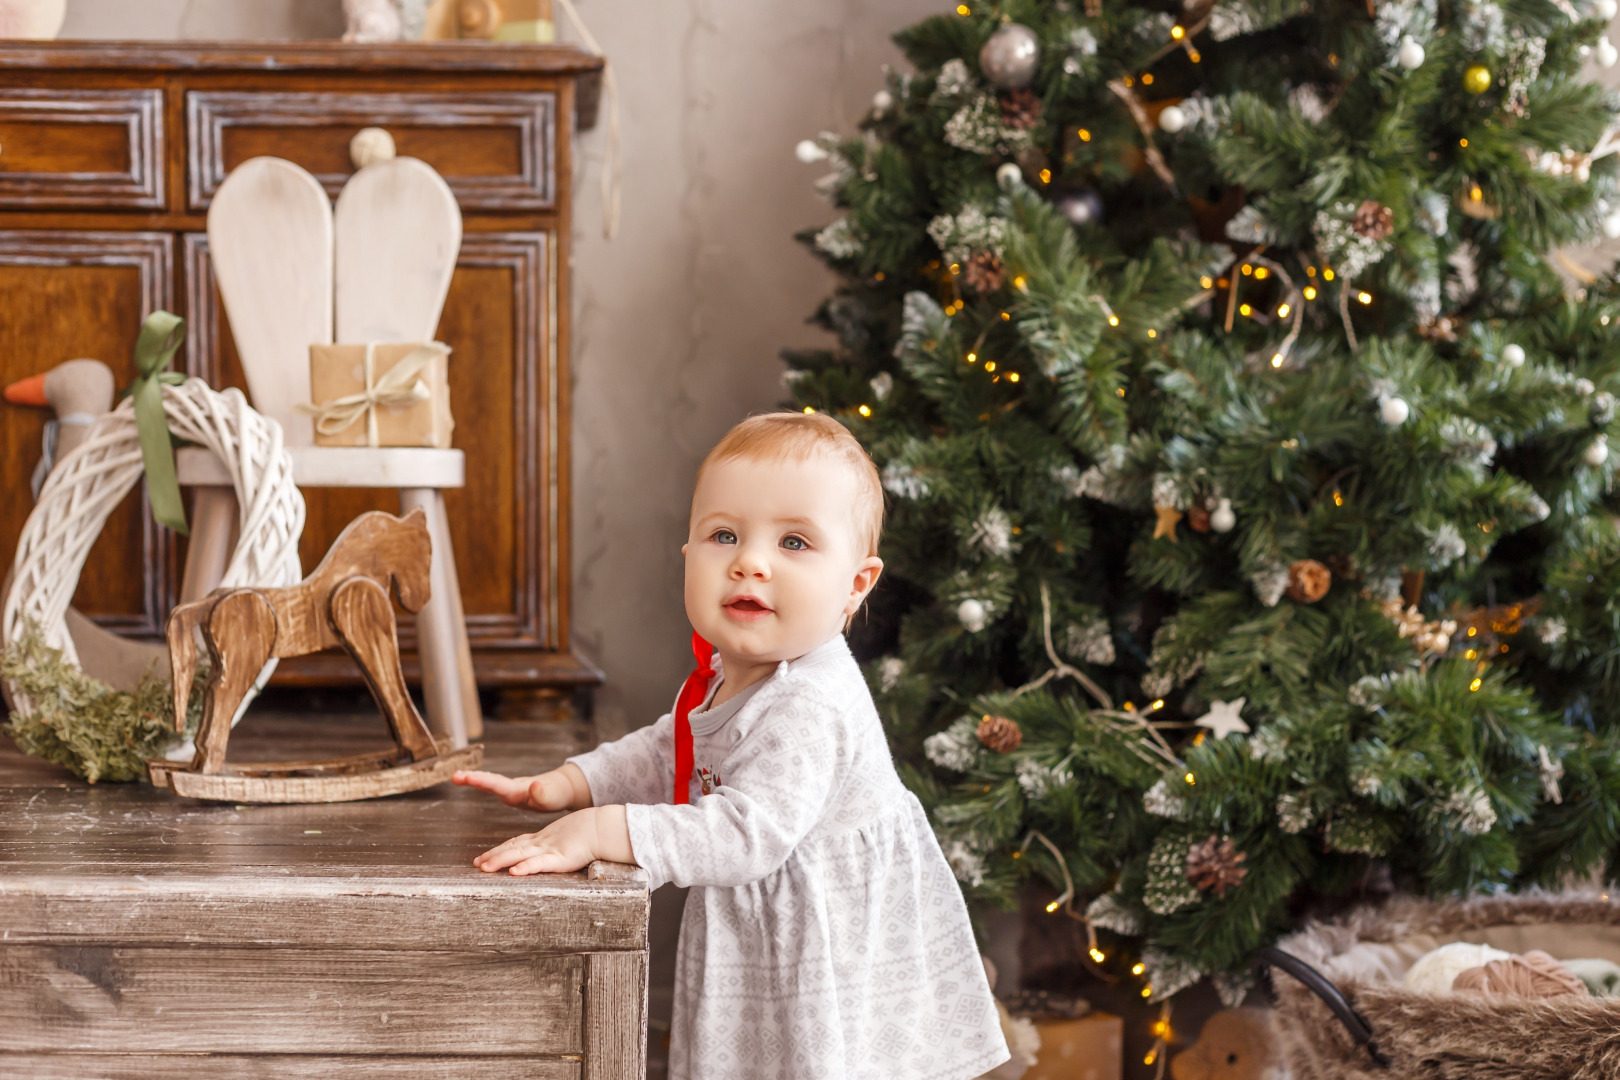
89, 483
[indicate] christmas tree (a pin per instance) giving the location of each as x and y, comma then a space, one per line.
1251, 510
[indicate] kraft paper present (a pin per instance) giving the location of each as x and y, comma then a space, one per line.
380, 394
1089, 1048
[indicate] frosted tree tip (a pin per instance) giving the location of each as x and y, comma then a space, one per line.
809, 151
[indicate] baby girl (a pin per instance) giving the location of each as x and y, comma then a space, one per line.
824, 935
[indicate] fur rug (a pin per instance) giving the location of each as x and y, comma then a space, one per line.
1460, 1036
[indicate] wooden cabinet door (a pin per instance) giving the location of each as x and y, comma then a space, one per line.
83, 294
499, 320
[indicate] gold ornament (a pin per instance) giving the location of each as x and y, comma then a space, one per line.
1477, 79
1000, 734
1166, 525
1308, 581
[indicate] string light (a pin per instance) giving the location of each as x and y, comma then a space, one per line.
1137, 969
1364, 297
1021, 283
1245, 310
1261, 273
1085, 136
1147, 991
1338, 498
1327, 275
1129, 82
1152, 1056
1178, 32
1098, 956
1147, 79
1476, 684
1276, 360
1476, 193
1130, 706
1046, 176
865, 410
1013, 377
1191, 780
989, 365
1120, 391
1462, 142
1053, 906
878, 276
1006, 317
1113, 320
972, 356
1194, 55
1206, 281
1470, 654
808, 409
1152, 333
1247, 269
1283, 310
1310, 271
1157, 705
956, 268
1310, 292
963, 10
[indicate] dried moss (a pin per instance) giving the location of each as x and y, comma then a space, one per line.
83, 724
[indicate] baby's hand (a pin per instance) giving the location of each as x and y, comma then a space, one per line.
546, 792
566, 844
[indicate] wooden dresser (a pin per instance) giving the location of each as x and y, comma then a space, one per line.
109, 156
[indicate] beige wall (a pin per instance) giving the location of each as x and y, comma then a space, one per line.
680, 318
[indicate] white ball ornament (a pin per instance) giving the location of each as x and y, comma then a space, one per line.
1411, 54
1513, 355
1607, 55
1222, 519
1394, 411
1611, 226
1009, 177
1597, 451
809, 151
1172, 118
882, 101
1011, 56
972, 614
1605, 9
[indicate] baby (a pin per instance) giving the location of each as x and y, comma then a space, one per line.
824, 936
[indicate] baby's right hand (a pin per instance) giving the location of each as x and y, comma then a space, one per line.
546, 792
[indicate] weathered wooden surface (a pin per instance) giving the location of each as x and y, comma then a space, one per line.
142, 934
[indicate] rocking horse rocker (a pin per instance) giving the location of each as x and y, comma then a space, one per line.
345, 602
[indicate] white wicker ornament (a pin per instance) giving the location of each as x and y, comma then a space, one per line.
88, 484
1172, 119
1394, 411
1607, 54
972, 614
1222, 519
809, 151
1513, 354
1597, 451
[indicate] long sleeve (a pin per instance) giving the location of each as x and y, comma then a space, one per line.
639, 768
778, 779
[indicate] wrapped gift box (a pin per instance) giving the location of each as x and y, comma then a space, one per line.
1091, 1047
402, 400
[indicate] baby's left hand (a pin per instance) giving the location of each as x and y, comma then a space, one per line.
569, 843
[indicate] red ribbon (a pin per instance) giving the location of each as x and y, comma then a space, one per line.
693, 691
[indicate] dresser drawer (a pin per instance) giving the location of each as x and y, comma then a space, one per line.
496, 150
81, 148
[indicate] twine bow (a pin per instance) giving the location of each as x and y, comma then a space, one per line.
160, 338
400, 388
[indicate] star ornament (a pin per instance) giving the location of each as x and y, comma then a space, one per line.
1166, 525
1223, 718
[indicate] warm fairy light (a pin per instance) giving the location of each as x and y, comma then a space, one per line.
1476, 684
1153, 333
956, 268
1502, 647
1085, 136
1472, 630
1245, 309
989, 365
1283, 310
1261, 273
1462, 142
1046, 176
1327, 275
1147, 79
1364, 297
1177, 32
1310, 271
865, 410
1018, 854
1120, 391
1053, 906
1137, 969
1161, 1029
1006, 317
1157, 704
1013, 377
1130, 706
1021, 283
1206, 281
1129, 82
1152, 1056
1338, 498
1310, 292
1147, 991
1247, 269
1113, 320
1476, 193
1191, 780
808, 409
972, 356
963, 9
878, 276
1097, 955
1198, 739
1276, 359
1470, 654
1194, 55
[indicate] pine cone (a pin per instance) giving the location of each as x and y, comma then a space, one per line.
984, 272
1308, 581
1373, 220
1438, 329
1000, 734
1216, 865
1020, 109
1198, 515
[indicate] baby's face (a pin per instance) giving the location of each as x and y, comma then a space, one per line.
773, 566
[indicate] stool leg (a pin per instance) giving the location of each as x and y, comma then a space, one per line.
441, 637
213, 534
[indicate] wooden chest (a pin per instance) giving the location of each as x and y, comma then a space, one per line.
145, 937
109, 157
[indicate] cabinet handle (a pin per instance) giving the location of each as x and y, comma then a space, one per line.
370, 145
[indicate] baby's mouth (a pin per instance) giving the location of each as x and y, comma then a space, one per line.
746, 607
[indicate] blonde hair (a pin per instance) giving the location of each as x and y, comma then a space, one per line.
793, 436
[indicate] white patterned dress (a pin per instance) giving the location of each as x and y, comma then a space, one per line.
824, 936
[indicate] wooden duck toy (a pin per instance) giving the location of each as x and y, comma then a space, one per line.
80, 392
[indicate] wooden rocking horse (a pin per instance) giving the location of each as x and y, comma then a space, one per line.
345, 602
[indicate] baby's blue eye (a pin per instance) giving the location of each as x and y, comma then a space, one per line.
795, 543
724, 536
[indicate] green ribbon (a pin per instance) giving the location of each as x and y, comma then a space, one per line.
161, 335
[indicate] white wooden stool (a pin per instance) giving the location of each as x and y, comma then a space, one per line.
286, 273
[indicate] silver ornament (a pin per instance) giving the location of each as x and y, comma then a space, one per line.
1080, 207
1513, 355
1222, 519
1597, 451
972, 614
1172, 119
1009, 177
1011, 55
